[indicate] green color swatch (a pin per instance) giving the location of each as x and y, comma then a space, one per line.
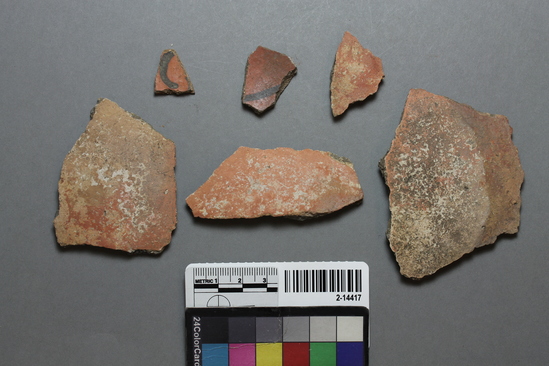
323, 354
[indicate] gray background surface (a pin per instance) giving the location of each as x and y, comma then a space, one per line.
90, 306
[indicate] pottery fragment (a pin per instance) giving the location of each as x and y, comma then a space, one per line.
277, 182
454, 177
268, 73
117, 188
171, 77
356, 74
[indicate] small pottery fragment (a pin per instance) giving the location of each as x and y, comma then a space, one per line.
171, 77
355, 76
267, 74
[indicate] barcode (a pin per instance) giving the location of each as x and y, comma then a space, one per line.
323, 280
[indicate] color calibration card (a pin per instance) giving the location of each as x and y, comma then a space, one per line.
277, 314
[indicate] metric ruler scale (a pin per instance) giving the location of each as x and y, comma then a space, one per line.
243, 279
234, 286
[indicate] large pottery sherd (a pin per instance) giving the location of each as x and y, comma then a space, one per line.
117, 188
279, 182
454, 177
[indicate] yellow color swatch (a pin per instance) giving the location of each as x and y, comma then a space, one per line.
268, 354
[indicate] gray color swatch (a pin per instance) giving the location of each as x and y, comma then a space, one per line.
268, 329
242, 330
296, 329
323, 328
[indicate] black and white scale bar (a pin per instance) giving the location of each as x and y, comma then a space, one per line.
323, 280
246, 287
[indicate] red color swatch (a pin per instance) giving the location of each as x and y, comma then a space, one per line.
296, 354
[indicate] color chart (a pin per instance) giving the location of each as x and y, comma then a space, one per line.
277, 336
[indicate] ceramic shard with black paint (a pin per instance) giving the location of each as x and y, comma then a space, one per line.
171, 76
267, 74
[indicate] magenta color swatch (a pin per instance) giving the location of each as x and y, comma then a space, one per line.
242, 354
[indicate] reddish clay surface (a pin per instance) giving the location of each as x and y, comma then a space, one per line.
355, 76
280, 182
117, 188
267, 75
454, 176
171, 77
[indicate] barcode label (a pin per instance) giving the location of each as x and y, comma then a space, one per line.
323, 280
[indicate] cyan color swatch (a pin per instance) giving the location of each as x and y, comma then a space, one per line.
215, 354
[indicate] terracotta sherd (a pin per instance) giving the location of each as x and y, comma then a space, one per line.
454, 177
171, 77
355, 76
280, 182
268, 73
117, 188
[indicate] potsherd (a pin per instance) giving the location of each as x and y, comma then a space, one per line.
454, 177
171, 77
117, 188
277, 182
356, 74
268, 73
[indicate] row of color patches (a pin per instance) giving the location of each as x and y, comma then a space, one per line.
278, 340
283, 354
